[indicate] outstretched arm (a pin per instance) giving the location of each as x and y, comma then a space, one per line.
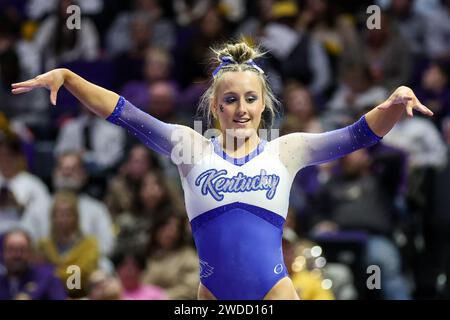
298, 150
107, 104
99, 100
383, 117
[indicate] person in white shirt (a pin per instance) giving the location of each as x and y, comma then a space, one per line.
95, 219
421, 140
101, 143
28, 191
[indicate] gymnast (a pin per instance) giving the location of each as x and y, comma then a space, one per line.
236, 183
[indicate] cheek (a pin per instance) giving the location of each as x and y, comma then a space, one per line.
257, 110
225, 114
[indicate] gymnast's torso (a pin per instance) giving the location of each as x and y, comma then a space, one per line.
237, 207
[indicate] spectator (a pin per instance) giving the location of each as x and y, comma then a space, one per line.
10, 211
193, 47
155, 195
130, 63
160, 32
30, 193
434, 91
18, 61
95, 220
356, 92
410, 23
122, 193
358, 200
67, 245
172, 263
336, 32
104, 286
186, 12
158, 65
129, 268
298, 56
100, 143
420, 139
438, 32
433, 264
20, 278
299, 103
58, 44
385, 52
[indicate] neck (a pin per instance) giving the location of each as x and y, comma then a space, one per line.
64, 238
132, 285
238, 147
9, 172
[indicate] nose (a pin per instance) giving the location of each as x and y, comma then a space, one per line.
242, 107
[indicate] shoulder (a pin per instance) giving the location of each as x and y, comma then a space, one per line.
89, 203
286, 139
44, 271
185, 131
89, 241
27, 179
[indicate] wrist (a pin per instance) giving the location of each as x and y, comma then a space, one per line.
65, 73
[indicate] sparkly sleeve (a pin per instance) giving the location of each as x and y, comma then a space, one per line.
329, 146
298, 150
154, 133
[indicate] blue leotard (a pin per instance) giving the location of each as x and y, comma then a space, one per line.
237, 207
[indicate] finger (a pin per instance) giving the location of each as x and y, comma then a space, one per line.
409, 110
28, 83
21, 90
424, 109
53, 96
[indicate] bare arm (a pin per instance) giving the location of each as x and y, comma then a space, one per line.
99, 100
383, 117
155, 134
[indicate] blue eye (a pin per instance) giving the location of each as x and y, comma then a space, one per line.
229, 100
251, 99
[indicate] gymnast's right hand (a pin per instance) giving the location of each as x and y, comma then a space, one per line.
52, 80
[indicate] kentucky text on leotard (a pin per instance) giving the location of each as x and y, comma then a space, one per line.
237, 207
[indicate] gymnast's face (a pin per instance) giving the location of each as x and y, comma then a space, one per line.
239, 103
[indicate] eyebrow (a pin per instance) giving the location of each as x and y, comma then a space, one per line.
248, 92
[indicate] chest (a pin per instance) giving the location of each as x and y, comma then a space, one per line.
263, 181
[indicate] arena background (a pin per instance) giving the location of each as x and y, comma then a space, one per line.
373, 225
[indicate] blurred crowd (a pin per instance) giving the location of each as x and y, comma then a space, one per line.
76, 190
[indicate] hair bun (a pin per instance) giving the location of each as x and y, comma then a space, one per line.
240, 52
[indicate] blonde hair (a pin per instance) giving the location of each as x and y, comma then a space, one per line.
241, 55
66, 197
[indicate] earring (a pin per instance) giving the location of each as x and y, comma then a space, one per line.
221, 108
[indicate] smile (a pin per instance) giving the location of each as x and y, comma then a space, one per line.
242, 120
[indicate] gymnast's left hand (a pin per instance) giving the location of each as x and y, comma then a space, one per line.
405, 97
51, 80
